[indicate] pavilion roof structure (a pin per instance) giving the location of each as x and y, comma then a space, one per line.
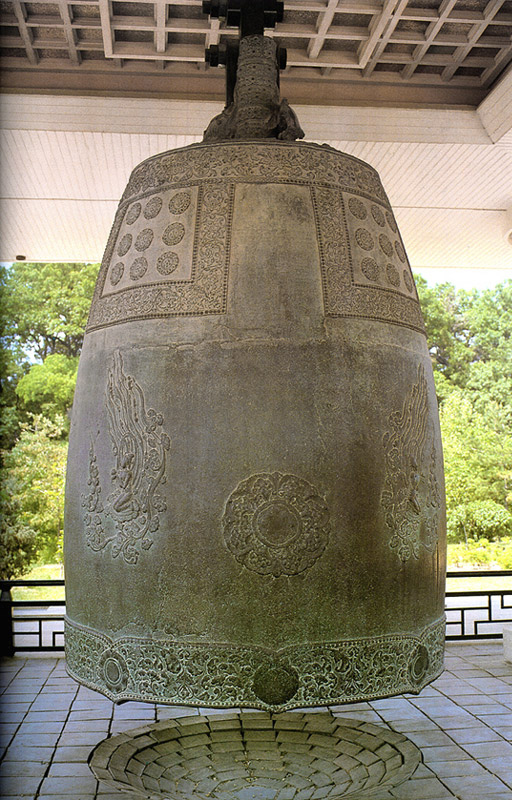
432, 50
421, 89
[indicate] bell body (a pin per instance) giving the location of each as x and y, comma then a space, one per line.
254, 507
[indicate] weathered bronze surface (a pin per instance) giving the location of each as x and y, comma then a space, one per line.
255, 493
255, 511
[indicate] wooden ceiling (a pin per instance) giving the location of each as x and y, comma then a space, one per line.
422, 89
393, 51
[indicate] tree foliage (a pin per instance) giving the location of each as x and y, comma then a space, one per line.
47, 306
43, 313
49, 387
18, 542
33, 480
479, 519
470, 341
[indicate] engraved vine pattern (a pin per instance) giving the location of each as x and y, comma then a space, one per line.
171, 671
130, 515
241, 162
411, 497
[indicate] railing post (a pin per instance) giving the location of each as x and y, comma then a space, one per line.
6, 626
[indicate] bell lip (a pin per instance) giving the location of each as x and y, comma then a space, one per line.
325, 148
407, 685
127, 697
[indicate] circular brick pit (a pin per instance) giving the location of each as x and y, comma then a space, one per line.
255, 756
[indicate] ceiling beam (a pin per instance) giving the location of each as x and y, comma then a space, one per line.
500, 62
322, 26
474, 34
430, 34
495, 111
386, 35
69, 33
376, 28
160, 35
105, 7
26, 35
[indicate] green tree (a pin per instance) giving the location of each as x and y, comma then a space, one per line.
43, 314
444, 312
490, 372
476, 456
18, 542
33, 477
47, 306
48, 388
11, 369
479, 519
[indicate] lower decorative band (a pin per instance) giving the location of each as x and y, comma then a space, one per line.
226, 675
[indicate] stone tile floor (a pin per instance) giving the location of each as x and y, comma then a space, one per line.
462, 723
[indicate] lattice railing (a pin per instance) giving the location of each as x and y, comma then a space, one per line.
30, 625
38, 625
478, 614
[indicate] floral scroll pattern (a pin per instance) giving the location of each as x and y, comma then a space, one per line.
217, 675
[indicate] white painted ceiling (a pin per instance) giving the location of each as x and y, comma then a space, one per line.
447, 169
66, 160
419, 88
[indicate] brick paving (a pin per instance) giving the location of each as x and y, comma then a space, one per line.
462, 723
251, 755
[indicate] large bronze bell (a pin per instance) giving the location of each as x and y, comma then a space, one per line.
255, 512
